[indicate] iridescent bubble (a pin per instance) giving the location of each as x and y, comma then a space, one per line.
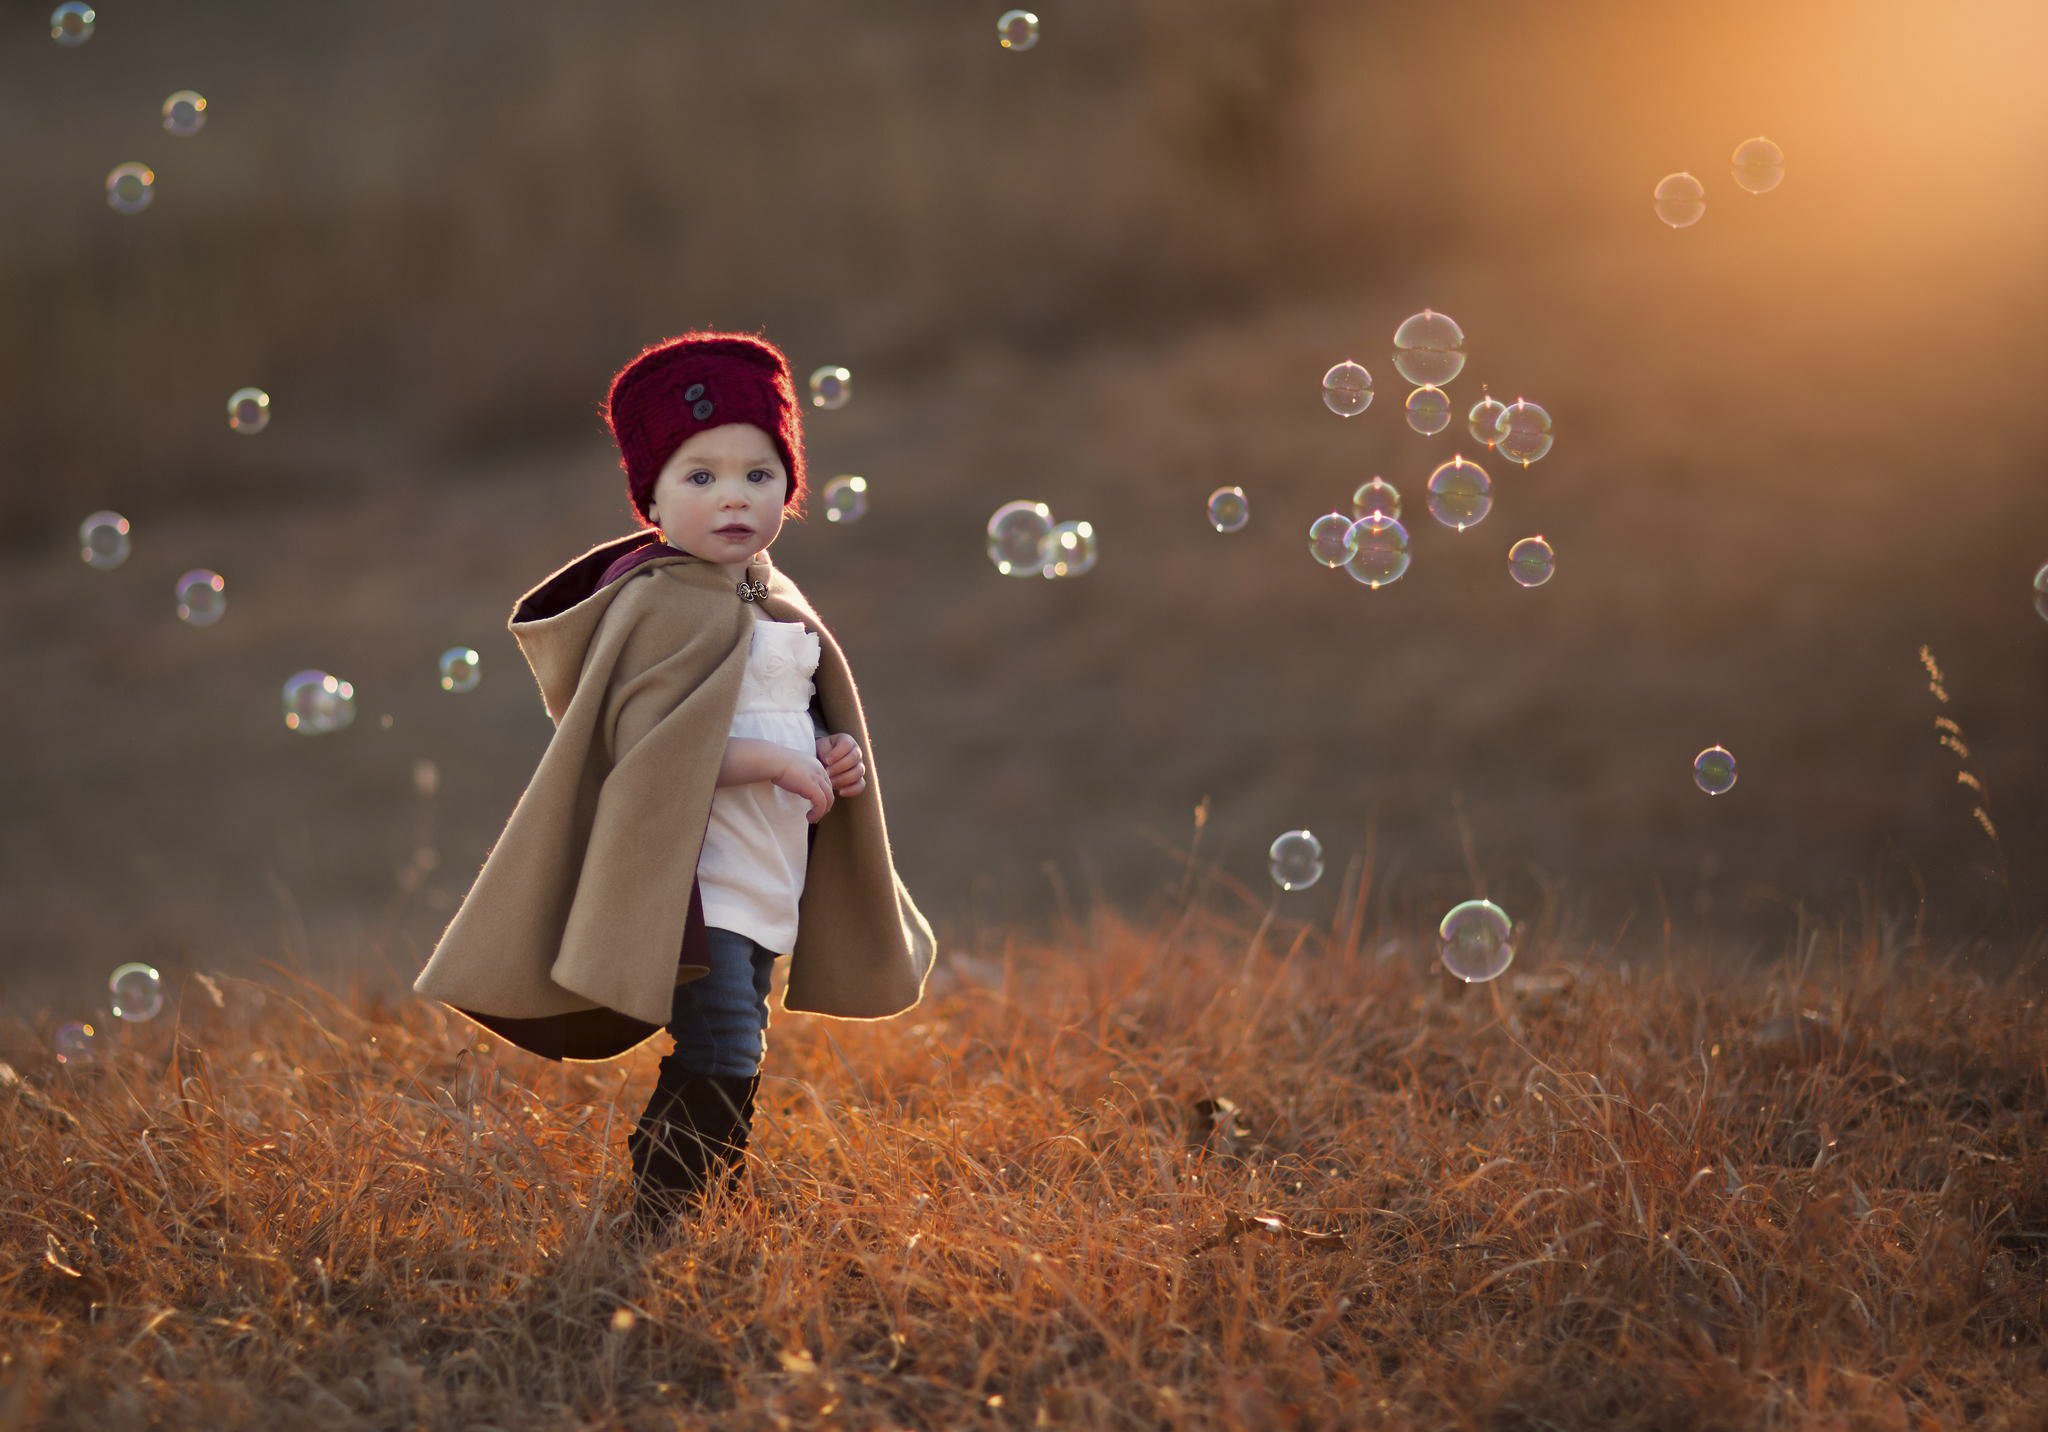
846, 499
1476, 941
1429, 411
1017, 538
831, 387
1483, 422
1759, 165
1330, 539
185, 113
2041, 593
130, 187
1017, 29
315, 702
75, 1043
1460, 493
1531, 562
248, 410
201, 597
137, 991
1524, 432
1228, 510
1379, 550
461, 669
1296, 860
1713, 770
1680, 199
104, 539
1347, 389
1429, 349
1070, 549
71, 24
1379, 496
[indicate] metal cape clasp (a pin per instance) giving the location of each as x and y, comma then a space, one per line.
753, 591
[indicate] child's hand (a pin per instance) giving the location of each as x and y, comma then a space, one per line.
844, 764
806, 777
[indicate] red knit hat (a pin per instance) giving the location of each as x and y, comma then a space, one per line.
678, 388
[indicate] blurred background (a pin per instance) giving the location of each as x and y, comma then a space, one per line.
1795, 443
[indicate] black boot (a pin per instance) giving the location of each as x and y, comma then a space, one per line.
694, 1127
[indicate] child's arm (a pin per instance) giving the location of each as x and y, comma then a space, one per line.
748, 760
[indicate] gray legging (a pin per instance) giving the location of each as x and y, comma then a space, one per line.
720, 1021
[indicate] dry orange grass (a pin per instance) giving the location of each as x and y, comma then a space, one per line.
1588, 1195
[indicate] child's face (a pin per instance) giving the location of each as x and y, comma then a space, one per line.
719, 496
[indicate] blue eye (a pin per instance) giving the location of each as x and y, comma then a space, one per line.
763, 474
700, 473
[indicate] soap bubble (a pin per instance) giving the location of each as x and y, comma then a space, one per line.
831, 387
1483, 422
1378, 496
71, 24
1429, 411
1531, 562
2041, 593
104, 539
1070, 549
1347, 389
1460, 493
1016, 538
1759, 165
315, 702
200, 597
1713, 770
846, 499
1330, 539
137, 991
130, 187
1681, 199
1297, 860
1017, 29
1476, 941
185, 113
1524, 431
74, 1043
1228, 510
1429, 349
248, 410
460, 669
1379, 550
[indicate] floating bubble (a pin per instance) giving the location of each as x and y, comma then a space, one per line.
1531, 562
1017, 29
1330, 539
130, 187
1476, 941
1347, 389
315, 702
71, 24
461, 669
201, 597
1379, 496
1070, 549
137, 990
248, 410
75, 1043
1483, 422
104, 539
831, 387
1017, 538
2041, 593
846, 499
1429, 411
1228, 510
185, 113
1759, 165
1460, 493
1681, 199
1713, 770
1524, 430
1296, 860
1379, 550
1429, 349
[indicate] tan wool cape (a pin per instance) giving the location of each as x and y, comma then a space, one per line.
586, 915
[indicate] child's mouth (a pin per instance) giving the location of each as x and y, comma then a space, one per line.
735, 532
